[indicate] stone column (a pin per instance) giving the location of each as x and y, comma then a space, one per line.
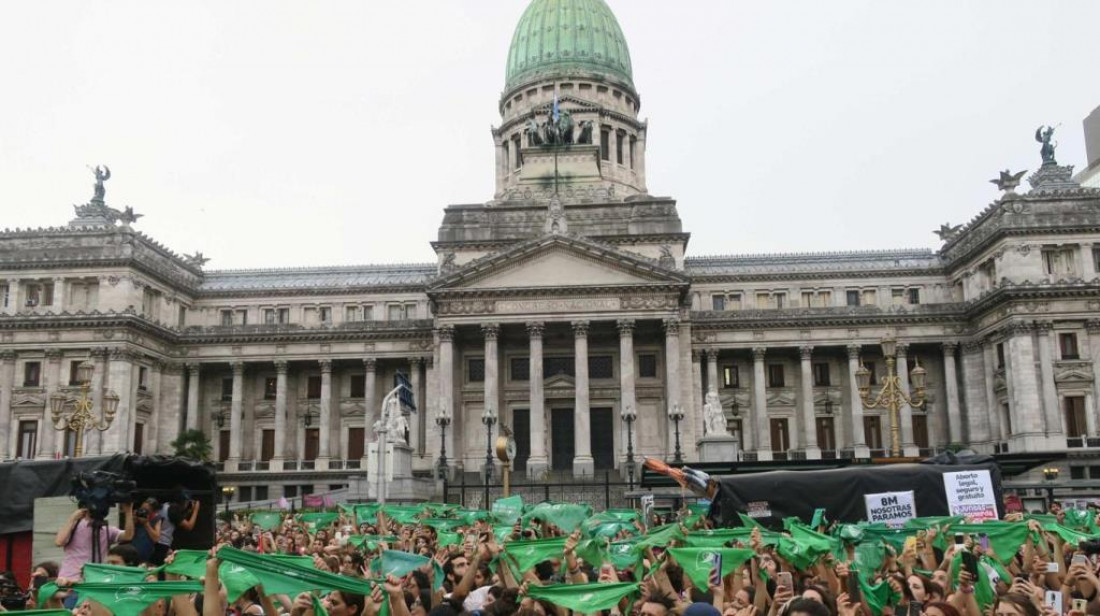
626, 378
1088, 267
997, 432
951, 381
1051, 415
420, 416
696, 412
447, 387
859, 437
370, 395
169, 413
672, 375
583, 465
538, 463
491, 331
761, 429
325, 429
1092, 330
978, 410
7, 383
279, 455
60, 296
94, 439
1027, 425
809, 423
712, 371
121, 379
47, 434
194, 421
236, 410
908, 447
157, 419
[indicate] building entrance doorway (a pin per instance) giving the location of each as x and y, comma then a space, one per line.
521, 430
603, 440
562, 450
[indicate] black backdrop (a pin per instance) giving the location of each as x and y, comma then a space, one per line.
840, 491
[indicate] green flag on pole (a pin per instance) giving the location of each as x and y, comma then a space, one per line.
129, 599
584, 598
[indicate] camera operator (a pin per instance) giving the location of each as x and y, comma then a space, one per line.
147, 529
179, 515
75, 538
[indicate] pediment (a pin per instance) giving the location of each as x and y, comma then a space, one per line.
557, 261
559, 381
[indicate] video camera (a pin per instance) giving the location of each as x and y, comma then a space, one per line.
12, 598
96, 491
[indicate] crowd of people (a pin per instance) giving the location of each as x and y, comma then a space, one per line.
550, 559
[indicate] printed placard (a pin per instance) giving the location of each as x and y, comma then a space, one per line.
970, 494
890, 508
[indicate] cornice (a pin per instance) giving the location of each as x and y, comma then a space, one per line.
823, 317
1007, 292
817, 275
533, 292
612, 240
307, 291
419, 329
967, 252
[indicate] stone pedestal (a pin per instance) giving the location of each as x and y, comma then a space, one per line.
399, 481
398, 461
718, 448
537, 470
584, 467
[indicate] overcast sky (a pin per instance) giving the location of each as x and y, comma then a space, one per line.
276, 133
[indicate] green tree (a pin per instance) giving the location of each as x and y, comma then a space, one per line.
193, 444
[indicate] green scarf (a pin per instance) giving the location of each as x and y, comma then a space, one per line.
398, 563
280, 576
266, 520
188, 563
1004, 537
319, 520
584, 598
237, 579
508, 510
527, 554
43, 613
131, 599
697, 563
113, 574
565, 516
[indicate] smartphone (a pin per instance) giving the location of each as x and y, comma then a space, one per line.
1080, 605
970, 563
915, 608
783, 578
716, 570
983, 540
1053, 600
910, 543
960, 539
855, 593
1052, 567
1079, 559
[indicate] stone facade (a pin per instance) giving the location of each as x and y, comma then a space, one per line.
558, 304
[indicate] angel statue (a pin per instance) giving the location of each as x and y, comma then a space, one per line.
1008, 180
102, 174
714, 418
1043, 135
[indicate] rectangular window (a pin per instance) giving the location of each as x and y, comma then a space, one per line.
731, 378
368, 313
734, 301
914, 296
226, 318
1075, 416
182, 317
781, 436
1059, 260
32, 374
267, 445
988, 273
897, 296
139, 437
763, 301
1077, 472
261, 492
826, 434
290, 491
47, 294
351, 314
633, 149
326, 314
807, 299
852, 297
313, 387
1000, 355
717, 302
605, 143
475, 370
143, 378
227, 388
775, 375
520, 368
5, 295
824, 299
553, 366
312, 444
284, 316
242, 317
872, 431
601, 367
870, 365
74, 372
356, 443
396, 312
780, 300
270, 387
28, 440
1068, 344
821, 375
647, 366
619, 146
920, 431
269, 316
517, 155
358, 386
869, 297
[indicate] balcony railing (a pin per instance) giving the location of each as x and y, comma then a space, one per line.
245, 465
1079, 442
353, 464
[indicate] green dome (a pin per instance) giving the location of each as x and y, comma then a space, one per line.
568, 36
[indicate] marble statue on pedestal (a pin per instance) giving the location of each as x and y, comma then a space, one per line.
714, 418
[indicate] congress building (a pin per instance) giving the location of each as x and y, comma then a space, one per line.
562, 304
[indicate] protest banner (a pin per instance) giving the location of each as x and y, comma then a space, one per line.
970, 494
893, 509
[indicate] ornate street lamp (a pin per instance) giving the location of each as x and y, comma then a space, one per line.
1050, 473
891, 397
828, 409
443, 419
81, 415
488, 417
676, 415
227, 495
307, 417
628, 415
219, 416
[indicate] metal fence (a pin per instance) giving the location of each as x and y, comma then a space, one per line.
598, 491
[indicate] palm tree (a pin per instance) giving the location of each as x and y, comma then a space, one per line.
193, 444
